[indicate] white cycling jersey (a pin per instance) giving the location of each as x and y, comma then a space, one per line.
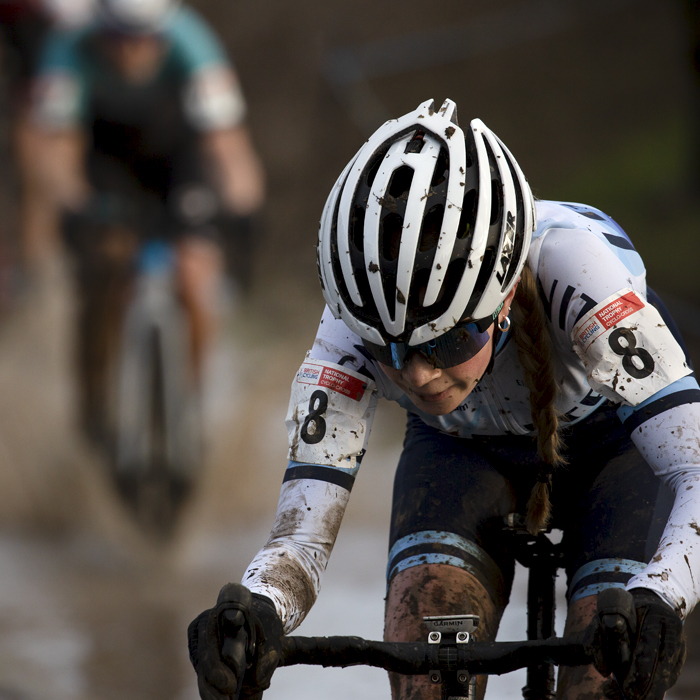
609, 344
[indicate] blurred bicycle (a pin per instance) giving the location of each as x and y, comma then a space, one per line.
138, 378
158, 436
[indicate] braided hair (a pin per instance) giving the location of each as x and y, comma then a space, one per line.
535, 353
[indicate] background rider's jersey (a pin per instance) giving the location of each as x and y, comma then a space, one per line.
77, 85
608, 344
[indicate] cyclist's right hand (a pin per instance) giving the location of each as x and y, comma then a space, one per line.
235, 647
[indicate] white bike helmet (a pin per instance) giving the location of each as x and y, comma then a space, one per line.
136, 16
427, 227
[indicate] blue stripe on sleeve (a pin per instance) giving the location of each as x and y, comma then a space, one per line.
684, 390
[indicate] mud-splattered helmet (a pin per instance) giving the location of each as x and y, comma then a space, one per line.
427, 226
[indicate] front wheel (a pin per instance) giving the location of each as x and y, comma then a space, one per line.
159, 428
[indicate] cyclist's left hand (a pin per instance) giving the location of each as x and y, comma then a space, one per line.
235, 647
646, 658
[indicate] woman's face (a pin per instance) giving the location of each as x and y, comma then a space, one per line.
439, 391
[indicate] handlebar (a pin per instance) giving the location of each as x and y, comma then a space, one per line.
418, 658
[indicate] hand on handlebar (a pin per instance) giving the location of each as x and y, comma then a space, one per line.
235, 647
638, 638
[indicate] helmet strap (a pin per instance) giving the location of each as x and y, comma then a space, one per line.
495, 338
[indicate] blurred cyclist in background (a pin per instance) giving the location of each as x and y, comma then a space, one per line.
145, 104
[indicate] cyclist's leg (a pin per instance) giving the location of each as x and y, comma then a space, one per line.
194, 210
434, 589
447, 556
200, 266
614, 531
104, 259
104, 247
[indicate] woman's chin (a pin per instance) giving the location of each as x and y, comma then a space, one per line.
437, 406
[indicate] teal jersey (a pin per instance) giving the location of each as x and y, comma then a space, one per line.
195, 66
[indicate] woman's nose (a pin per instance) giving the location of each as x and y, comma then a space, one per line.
419, 372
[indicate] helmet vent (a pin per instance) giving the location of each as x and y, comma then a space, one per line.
430, 229
401, 182
422, 314
357, 225
496, 202
441, 169
371, 172
468, 215
390, 236
470, 155
482, 279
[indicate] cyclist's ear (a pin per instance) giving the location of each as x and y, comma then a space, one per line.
507, 302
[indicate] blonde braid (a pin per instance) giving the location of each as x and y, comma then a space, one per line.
535, 354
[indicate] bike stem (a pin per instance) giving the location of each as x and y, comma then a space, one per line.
450, 634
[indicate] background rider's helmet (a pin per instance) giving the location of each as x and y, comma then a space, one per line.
427, 225
135, 16
69, 13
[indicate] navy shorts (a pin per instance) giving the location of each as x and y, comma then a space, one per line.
451, 496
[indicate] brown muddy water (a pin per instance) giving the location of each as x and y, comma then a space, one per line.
89, 609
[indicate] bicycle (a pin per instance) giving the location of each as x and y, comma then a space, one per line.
158, 437
141, 402
452, 657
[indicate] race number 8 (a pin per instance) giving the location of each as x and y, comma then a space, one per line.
314, 427
629, 352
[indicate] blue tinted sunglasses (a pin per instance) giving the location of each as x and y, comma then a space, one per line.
458, 345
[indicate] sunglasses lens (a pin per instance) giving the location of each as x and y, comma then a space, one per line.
458, 345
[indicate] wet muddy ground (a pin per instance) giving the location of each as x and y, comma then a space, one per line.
89, 608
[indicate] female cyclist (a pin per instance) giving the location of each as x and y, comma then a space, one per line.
538, 378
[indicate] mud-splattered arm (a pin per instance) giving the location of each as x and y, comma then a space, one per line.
328, 422
288, 569
670, 443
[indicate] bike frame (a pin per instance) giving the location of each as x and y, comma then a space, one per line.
542, 558
158, 431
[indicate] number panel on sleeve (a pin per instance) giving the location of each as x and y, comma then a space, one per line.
627, 349
327, 416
